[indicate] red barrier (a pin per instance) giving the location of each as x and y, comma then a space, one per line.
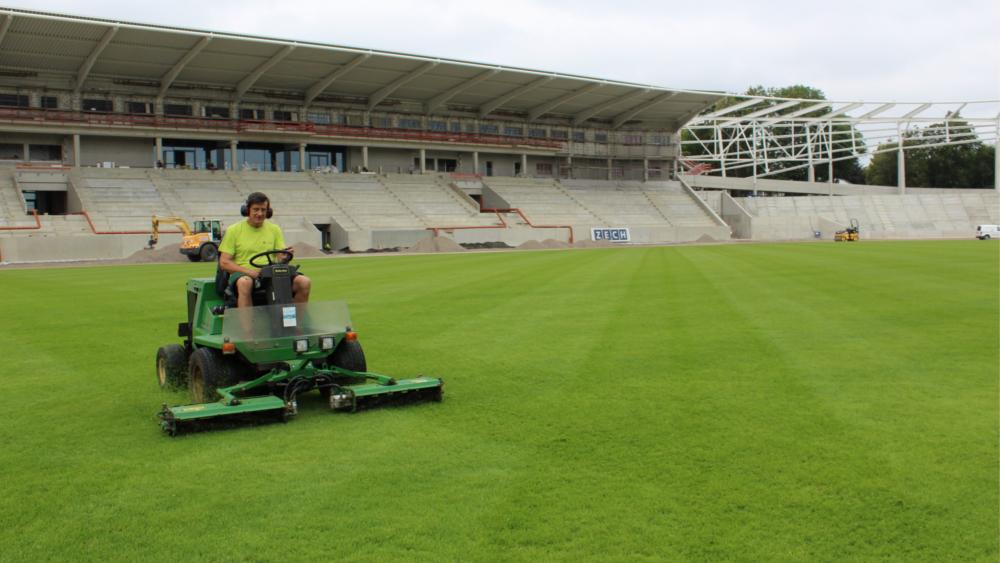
498, 211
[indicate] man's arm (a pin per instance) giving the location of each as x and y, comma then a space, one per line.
227, 264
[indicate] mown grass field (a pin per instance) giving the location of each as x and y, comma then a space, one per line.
782, 402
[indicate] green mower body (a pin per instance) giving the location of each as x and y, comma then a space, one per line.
248, 361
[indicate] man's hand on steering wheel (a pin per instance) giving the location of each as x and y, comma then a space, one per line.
287, 254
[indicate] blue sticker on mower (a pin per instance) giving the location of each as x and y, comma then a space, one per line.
288, 314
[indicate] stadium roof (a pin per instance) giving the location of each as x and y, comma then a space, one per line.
78, 48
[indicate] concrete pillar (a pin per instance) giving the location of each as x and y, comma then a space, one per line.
302, 157
645, 169
159, 151
609, 169
901, 165
364, 157
76, 151
675, 169
27, 152
232, 156
569, 166
524, 164
831, 176
423, 161
436, 165
475, 162
996, 163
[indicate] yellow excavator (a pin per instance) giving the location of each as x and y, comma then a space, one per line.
199, 244
850, 234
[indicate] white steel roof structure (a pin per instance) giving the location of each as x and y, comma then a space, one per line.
77, 49
758, 132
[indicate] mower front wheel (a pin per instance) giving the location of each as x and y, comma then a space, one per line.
171, 366
348, 355
210, 370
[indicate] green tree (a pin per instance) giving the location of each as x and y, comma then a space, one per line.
783, 137
931, 165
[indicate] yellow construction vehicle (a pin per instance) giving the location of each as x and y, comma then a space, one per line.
850, 234
200, 243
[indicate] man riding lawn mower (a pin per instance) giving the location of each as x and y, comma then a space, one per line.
253, 346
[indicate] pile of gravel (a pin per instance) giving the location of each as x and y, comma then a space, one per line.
481, 245
303, 250
705, 238
531, 245
435, 244
169, 254
555, 244
373, 250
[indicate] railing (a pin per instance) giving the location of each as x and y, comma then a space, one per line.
460, 176
260, 125
96, 232
498, 211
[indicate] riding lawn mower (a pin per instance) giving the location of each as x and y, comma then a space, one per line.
253, 362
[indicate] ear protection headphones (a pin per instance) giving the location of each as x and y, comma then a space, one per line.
245, 208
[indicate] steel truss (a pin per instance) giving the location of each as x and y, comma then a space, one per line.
776, 135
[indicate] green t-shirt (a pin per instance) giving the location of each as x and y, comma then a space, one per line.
244, 241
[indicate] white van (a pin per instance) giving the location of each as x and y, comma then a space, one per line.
984, 232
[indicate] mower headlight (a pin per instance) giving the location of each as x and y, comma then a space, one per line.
301, 345
326, 342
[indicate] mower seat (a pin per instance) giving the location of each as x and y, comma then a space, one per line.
228, 292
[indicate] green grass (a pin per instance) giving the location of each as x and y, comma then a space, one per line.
781, 402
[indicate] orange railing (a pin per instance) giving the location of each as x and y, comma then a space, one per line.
259, 125
498, 211
96, 232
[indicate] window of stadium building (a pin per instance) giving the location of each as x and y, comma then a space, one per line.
631, 139
50, 102
13, 100
579, 136
660, 140
177, 109
489, 130
512, 131
559, 135
140, 107
319, 118
409, 124
217, 112
536, 133
105, 106
385, 122
284, 116
252, 114
456, 127
436, 126
601, 137
543, 169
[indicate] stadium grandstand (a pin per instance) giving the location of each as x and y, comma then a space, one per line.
104, 124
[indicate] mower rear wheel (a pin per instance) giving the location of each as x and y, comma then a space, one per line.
209, 370
172, 366
347, 355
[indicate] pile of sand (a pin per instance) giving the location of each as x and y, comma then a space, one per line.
531, 245
481, 245
706, 238
303, 250
170, 254
555, 244
435, 244
593, 244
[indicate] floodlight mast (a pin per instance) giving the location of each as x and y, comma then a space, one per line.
783, 133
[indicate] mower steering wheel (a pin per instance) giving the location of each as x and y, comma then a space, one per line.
288, 257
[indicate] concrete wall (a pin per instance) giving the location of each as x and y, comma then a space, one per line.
137, 153
735, 216
785, 186
91, 247
492, 200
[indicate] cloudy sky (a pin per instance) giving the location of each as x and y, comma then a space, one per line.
874, 50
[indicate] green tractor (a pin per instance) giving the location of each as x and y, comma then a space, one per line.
254, 361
